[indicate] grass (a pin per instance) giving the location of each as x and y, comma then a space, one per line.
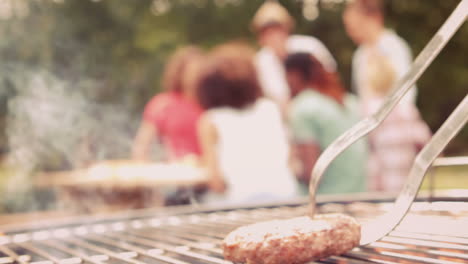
455, 177
4, 175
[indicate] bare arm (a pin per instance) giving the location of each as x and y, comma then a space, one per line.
208, 140
307, 155
142, 143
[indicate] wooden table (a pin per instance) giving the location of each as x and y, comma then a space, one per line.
116, 185
119, 174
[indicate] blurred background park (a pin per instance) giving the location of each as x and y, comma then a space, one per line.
75, 71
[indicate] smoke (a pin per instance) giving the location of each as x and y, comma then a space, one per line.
60, 109
49, 117
53, 124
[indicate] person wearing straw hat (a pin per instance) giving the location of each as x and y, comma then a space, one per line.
273, 24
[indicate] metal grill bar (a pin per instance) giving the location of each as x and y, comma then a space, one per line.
39, 252
181, 250
423, 237
151, 253
70, 251
448, 239
209, 247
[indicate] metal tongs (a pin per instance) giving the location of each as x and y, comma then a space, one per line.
380, 227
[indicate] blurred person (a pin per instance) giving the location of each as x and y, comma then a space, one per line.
172, 115
273, 26
320, 111
244, 144
364, 24
396, 142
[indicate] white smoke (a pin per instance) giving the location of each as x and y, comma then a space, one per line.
49, 116
53, 125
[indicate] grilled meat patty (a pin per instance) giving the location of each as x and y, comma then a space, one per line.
296, 240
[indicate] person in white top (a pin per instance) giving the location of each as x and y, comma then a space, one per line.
244, 144
364, 24
273, 25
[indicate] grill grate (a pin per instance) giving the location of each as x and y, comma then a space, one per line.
432, 233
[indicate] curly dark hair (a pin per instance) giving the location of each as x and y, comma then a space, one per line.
230, 79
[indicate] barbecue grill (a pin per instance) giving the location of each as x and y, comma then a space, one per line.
433, 232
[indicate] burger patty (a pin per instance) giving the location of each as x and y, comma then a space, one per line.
296, 240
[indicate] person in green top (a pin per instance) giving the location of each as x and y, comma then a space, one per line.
320, 111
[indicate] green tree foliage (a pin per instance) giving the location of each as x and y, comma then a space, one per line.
113, 51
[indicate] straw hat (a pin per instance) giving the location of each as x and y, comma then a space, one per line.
269, 13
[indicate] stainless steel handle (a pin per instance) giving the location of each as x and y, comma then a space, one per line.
450, 161
380, 227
